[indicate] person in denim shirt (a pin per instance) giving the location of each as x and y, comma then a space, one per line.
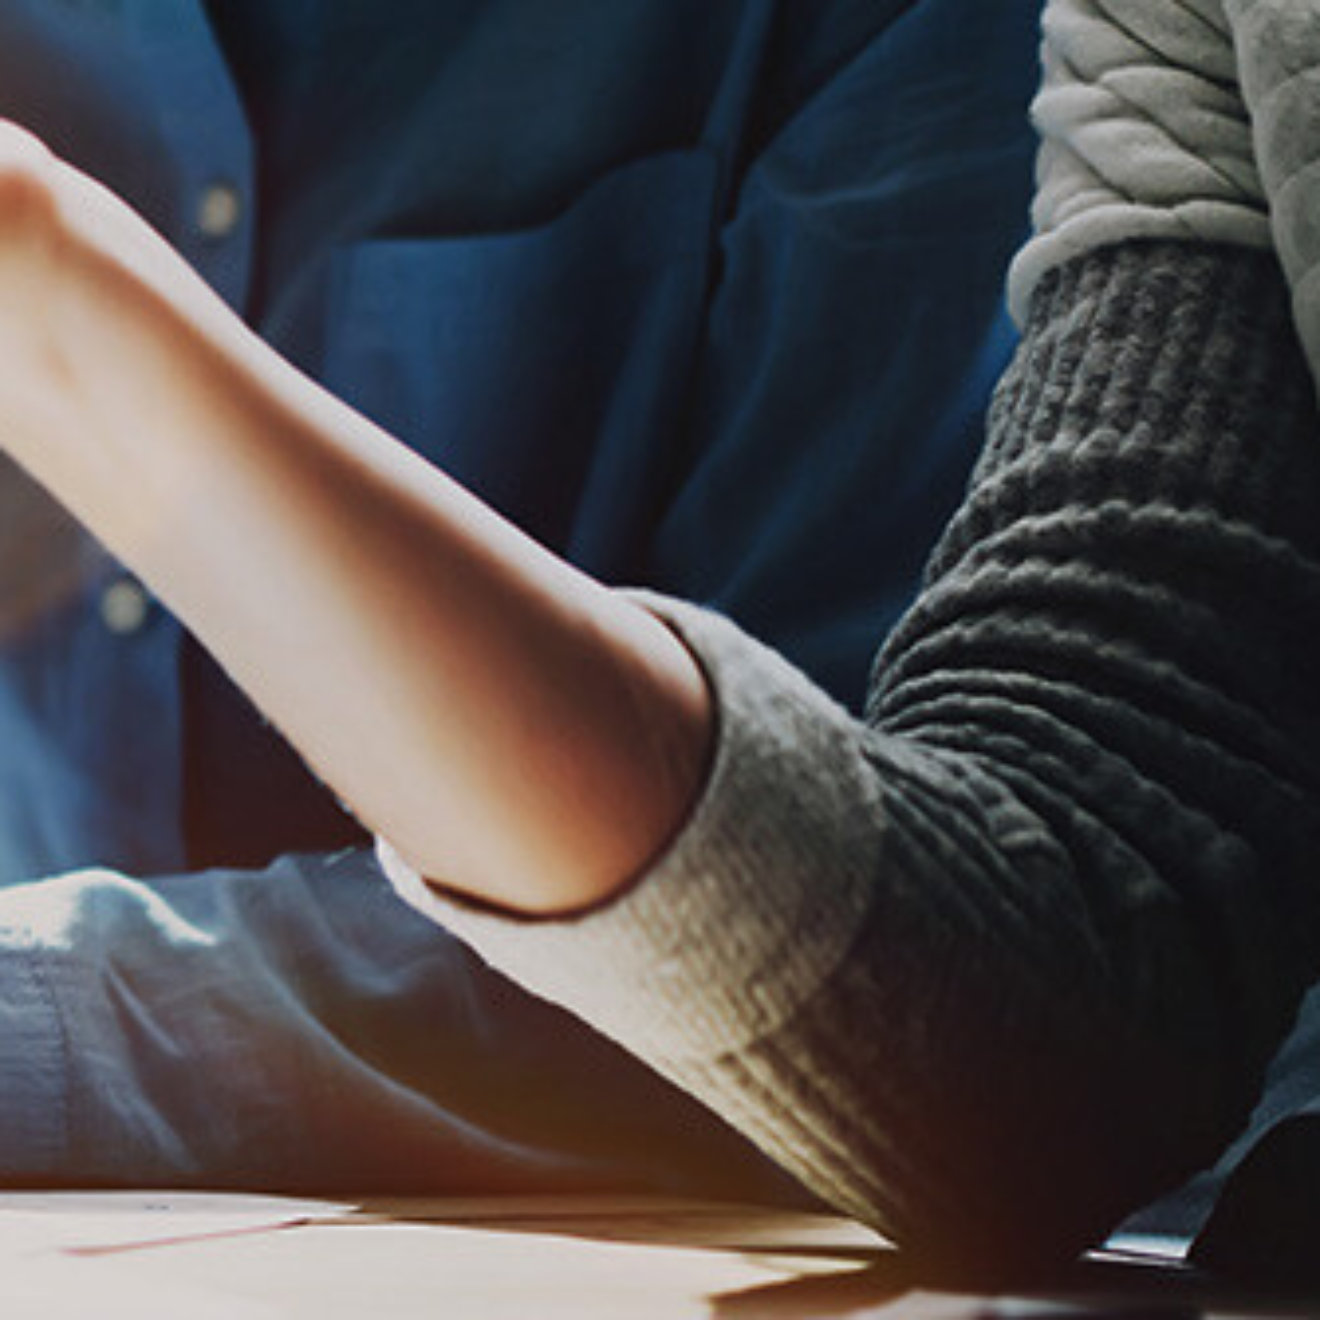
706, 298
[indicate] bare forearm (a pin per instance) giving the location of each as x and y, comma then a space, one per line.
520, 731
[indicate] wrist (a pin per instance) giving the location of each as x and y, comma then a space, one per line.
117, 353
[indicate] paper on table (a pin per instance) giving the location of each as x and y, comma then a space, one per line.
88, 1223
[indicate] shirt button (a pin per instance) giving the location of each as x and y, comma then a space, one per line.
219, 210
125, 606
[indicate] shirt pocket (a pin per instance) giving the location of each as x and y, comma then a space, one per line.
545, 368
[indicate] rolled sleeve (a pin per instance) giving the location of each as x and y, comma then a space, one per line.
744, 903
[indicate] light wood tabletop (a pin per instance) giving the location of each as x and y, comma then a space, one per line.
194, 1256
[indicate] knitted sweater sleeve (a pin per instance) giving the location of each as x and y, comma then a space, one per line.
1178, 119
1277, 43
1143, 131
994, 966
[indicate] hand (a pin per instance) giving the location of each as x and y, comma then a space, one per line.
103, 327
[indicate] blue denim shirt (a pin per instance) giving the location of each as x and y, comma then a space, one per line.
705, 296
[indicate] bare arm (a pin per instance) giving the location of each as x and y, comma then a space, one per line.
518, 730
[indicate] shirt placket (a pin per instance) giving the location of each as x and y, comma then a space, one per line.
210, 217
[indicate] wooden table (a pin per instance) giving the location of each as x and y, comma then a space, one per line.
187, 1257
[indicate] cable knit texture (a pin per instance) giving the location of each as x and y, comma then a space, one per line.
1278, 49
1143, 133
1188, 119
1055, 900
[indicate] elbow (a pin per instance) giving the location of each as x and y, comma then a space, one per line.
1003, 1121
1045, 1158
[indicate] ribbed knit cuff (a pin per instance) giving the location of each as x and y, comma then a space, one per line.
1154, 376
755, 902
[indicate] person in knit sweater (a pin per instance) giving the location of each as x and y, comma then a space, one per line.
988, 968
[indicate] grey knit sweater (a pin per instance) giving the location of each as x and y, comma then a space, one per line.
999, 963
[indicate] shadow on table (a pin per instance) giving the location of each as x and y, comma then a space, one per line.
895, 1289
835, 1268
